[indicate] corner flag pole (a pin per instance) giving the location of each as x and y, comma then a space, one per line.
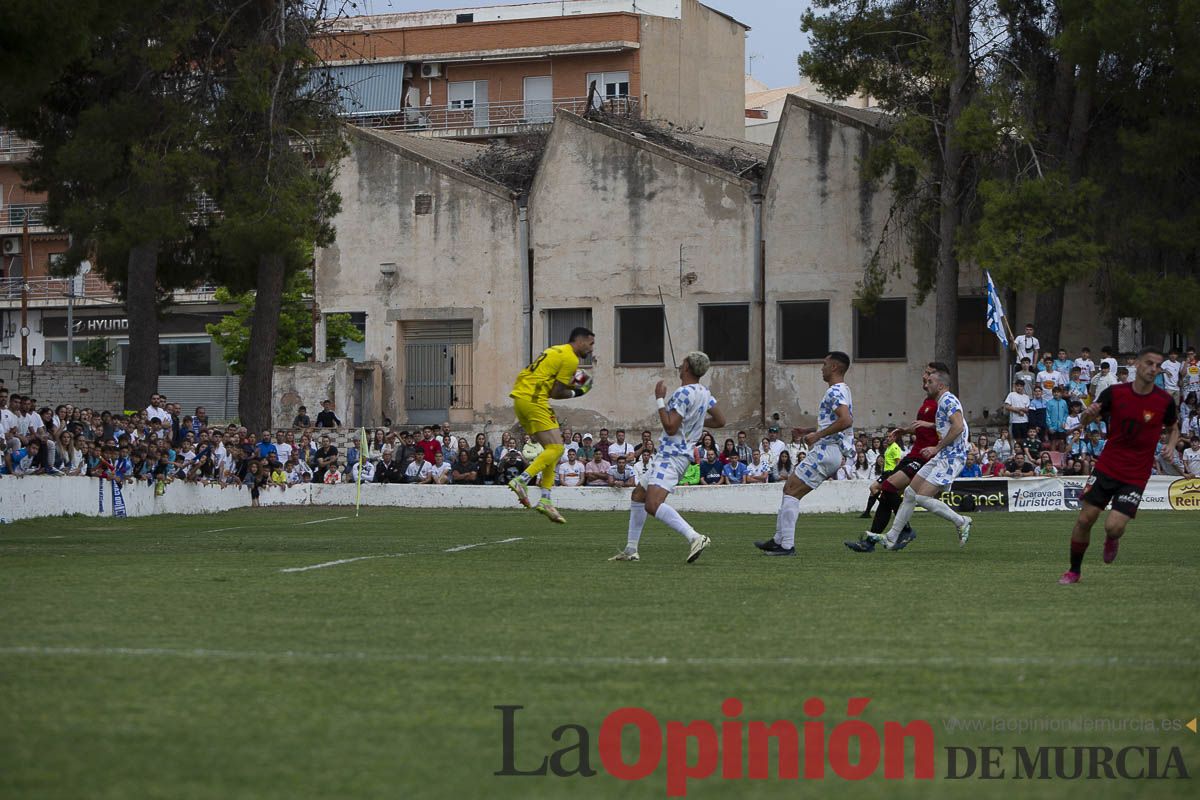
362, 458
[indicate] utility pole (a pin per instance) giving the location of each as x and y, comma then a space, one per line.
26, 262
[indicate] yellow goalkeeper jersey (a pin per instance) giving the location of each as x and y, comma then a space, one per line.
555, 364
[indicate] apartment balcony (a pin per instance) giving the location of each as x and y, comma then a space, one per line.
13, 149
487, 120
14, 216
52, 291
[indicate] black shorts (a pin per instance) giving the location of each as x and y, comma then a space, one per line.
1101, 489
910, 467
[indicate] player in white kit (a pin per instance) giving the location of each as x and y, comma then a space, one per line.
683, 418
829, 444
946, 460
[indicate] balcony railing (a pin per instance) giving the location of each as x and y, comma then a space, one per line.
90, 285
13, 148
17, 214
485, 118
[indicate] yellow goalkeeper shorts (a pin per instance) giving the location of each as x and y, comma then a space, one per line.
534, 417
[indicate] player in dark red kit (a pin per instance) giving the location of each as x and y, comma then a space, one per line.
1136, 414
924, 431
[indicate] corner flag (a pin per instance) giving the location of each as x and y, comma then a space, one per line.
362, 458
995, 311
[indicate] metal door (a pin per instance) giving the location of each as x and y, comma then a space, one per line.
539, 99
437, 369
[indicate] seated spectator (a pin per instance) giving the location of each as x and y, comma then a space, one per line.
333, 472
428, 444
1077, 387
506, 444
758, 470
728, 451
279, 476
845, 471
366, 467
464, 470
587, 450
1070, 468
1046, 466
255, 481
489, 472
734, 472
690, 476
25, 460
620, 475
1072, 422
619, 448
389, 470
642, 466
711, 469
530, 449
1033, 444
512, 465
646, 444
439, 470
972, 469
326, 457
784, 466
595, 472
420, 470
862, 467
570, 472
1019, 466
297, 470
1190, 458
994, 467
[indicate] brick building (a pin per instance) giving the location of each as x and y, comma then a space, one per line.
491, 71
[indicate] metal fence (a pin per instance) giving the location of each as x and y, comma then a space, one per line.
217, 393
15, 215
419, 119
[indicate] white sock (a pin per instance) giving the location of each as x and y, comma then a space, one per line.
789, 510
942, 510
670, 517
903, 514
546, 496
637, 521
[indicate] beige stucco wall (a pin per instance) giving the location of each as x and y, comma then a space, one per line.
822, 222
459, 262
608, 215
692, 70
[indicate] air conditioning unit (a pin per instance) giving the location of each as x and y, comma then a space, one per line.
11, 246
431, 70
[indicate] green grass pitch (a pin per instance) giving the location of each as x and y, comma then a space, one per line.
172, 657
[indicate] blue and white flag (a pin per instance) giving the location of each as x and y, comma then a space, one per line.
118, 500
995, 311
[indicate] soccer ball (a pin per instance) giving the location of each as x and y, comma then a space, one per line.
582, 380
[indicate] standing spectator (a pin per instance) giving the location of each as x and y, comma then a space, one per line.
465, 470
1103, 380
619, 448
1189, 375
744, 450
1063, 364
1037, 409
777, 446
283, 447
156, 411
1085, 365
602, 444
1123, 375
1191, 459
1056, 420
1048, 377
325, 459
587, 450
266, 447
428, 445
570, 472
644, 446
1171, 368
734, 471
1017, 406
334, 473
1027, 346
1077, 388
1027, 374
327, 419
595, 472
255, 480
301, 419
480, 449
1108, 357
512, 465
728, 452
620, 475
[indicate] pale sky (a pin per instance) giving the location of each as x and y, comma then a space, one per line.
775, 38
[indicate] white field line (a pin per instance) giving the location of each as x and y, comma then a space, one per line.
319, 521
341, 561
344, 561
221, 530
462, 547
593, 661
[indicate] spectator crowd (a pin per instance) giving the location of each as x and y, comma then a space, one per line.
160, 445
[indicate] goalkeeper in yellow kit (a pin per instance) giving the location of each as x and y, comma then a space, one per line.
550, 377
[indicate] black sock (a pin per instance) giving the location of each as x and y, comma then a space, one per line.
888, 502
1077, 551
871, 501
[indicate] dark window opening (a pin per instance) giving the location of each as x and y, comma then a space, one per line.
804, 330
640, 335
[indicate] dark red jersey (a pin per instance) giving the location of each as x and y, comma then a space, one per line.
1135, 423
925, 437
